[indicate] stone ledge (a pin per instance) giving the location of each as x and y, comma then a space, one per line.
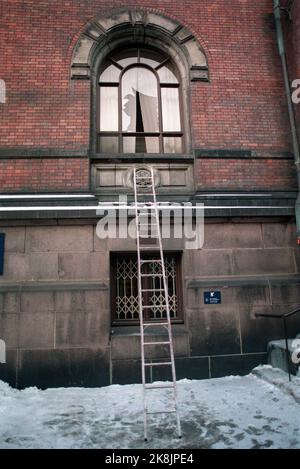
35, 152
243, 281
241, 154
50, 286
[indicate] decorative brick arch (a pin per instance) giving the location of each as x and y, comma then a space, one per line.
144, 27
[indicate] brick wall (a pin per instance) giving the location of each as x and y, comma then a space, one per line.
240, 107
245, 175
44, 174
243, 106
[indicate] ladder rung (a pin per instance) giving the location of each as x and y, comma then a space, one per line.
150, 261
157, 343
145, 236
154, 306
150, 324
158, 364
143, 177
148, 224
171, 411
148, 248
144, 211
159, 386
151, 275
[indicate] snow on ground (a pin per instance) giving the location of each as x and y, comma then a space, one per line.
260, 410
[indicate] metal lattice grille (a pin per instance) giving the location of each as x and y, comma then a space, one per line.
127, 304
126, 281
158, 310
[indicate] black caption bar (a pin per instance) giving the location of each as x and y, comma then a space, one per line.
149, 457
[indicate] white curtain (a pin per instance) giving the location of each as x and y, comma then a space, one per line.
144, 82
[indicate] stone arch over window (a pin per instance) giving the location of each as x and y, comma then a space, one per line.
126, 29
142, 26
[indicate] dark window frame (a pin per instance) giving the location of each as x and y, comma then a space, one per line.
120, 134
133, 255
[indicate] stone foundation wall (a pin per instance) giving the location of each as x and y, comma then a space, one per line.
55, 304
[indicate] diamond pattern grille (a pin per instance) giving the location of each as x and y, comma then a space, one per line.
127, 306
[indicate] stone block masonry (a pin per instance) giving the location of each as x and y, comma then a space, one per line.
55, 305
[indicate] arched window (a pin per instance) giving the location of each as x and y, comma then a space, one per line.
139, 104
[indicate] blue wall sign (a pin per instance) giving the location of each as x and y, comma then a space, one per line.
212, 297
2, 237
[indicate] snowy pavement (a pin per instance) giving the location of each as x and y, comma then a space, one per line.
261, 410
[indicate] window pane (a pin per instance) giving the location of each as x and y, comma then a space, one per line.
151, 58
139, 101
172, 145
109, 144
170, 109
110, 74
166, 75
127, 57
109, 108
140, 145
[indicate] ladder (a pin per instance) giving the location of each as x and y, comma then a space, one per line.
146, 207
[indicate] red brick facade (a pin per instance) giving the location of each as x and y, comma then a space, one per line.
43, 174
234, 174
242, 107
